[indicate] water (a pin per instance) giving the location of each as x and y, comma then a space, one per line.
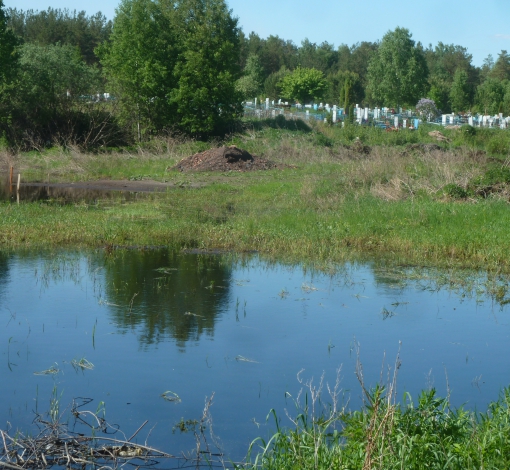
240, 328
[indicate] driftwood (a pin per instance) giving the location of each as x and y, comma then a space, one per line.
56, 444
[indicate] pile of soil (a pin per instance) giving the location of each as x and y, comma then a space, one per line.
224, 159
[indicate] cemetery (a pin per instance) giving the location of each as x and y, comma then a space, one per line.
383, 117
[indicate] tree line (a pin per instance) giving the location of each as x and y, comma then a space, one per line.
185, 66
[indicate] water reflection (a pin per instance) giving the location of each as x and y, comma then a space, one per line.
126, 312
60, 193
165, 294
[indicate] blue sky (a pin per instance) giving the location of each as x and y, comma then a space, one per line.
482, 26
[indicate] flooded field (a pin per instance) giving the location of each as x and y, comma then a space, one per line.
152, 335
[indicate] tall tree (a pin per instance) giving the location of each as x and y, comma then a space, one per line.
397, 73
207, 68
139, 61
490, 95
62, 26
8, 66
501, 69
250, 84
460, 96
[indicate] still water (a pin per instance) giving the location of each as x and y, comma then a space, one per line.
241, 328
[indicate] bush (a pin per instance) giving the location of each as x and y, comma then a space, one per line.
468, 131
499, 144
455, 191
492, 176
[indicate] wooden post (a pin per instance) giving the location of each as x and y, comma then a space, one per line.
10, 179
19, 180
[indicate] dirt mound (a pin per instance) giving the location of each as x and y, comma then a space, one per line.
224, 159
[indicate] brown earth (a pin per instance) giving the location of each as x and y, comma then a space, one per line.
224, 159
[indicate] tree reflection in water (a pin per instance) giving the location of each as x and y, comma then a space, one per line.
165, 294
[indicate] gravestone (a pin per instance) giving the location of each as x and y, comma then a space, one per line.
404, 123
267, 103
334, 113
396, 121
366, 114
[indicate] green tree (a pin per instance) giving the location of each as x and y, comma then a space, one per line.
57, 100
207, 68
351, 90
8, 66
272, 84
501, 69
460, 91
139, 61
304, 85
506, 99
250, 84
61, 26
490, 95
397, 73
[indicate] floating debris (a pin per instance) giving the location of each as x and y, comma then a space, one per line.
82, 364
171, 396
245, 359
51, 371
165, 270
193, 314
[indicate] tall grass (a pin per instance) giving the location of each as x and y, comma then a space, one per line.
385, 433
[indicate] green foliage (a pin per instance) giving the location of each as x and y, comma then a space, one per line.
492, 176
250, 84
501, 69
468, 131
499, 144
489, 95
460, 91
455, 191
175, 66
304, 85
56, 99
61, 26
385, 435
8, 67
207, 69
397, 73
138, 62
272, 84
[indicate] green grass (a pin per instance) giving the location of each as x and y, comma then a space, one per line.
428, 434
439, 208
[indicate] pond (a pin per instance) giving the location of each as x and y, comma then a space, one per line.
193, 324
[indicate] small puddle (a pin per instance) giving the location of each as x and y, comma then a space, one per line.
68, 193
152, 334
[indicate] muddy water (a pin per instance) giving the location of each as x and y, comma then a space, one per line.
194, 324
61, 193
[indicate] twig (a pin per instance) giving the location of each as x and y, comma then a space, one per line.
138, 430
10, 465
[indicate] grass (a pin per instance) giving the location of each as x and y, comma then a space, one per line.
445, 206
384, 433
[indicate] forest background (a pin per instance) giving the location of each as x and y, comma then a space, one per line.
186, 67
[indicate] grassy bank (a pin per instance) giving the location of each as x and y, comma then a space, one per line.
385, 435
345, 192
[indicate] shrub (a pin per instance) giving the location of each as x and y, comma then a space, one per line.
498, 144
455, 191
